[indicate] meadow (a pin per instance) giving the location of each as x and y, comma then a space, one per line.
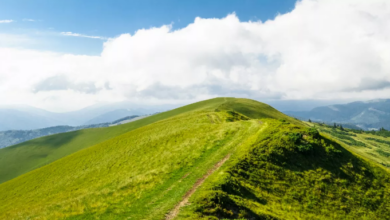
230, 158
372, 146
292, 172
27, 156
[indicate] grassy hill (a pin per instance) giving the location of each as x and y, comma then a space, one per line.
373, 147
22, 158
221, 158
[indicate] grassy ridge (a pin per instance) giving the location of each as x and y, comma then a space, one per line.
139, 174
22, 158
366, 144
291, 172
278, 169
119, 162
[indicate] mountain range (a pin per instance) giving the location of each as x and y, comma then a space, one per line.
12, 137
29, 118
373, 114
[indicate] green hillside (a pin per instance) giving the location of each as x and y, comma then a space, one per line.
22, 158
292, 172
221, 158
374, 148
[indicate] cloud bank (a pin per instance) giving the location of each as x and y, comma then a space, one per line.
323, 49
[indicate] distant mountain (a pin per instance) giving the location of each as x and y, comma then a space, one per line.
13, 137
372, 114
17, 119
30, 118
114, 115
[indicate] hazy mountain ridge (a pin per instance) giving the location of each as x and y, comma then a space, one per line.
372, 114
30, 118
112, 116
12, 137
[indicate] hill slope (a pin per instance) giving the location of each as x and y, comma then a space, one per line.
215, 155
291, 172
22, 158
370, 114
368, 144
13, 137
27, 156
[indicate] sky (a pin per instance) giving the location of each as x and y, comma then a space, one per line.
45, 22
67, 54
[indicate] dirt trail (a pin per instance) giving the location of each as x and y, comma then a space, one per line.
184, 201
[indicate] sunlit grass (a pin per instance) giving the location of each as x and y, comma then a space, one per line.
372, 147
278, 169
138, 174
24, 157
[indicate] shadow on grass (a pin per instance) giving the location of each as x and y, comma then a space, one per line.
51, 141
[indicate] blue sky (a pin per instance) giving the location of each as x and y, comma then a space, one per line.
52, 53
42, 21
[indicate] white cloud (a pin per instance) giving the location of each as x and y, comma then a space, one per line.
12, 40
6, 21
323, 49
28, 19
82, 35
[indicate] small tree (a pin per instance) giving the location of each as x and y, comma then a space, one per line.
309, 120
341, 127
334, 125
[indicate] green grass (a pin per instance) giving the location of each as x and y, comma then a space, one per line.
345, 137
387, 142
278, 169
24, 157
128, 175
291, 172
366, 144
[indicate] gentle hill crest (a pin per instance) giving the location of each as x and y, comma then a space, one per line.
249, 161
19, 159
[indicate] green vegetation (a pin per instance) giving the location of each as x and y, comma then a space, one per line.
345, 137
378, 140
259, 164
291, 172
372, 145
22, 158
382, 132
13, 137
200, 127
383, 153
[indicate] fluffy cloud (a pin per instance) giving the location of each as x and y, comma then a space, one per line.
323, 49
6, 21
